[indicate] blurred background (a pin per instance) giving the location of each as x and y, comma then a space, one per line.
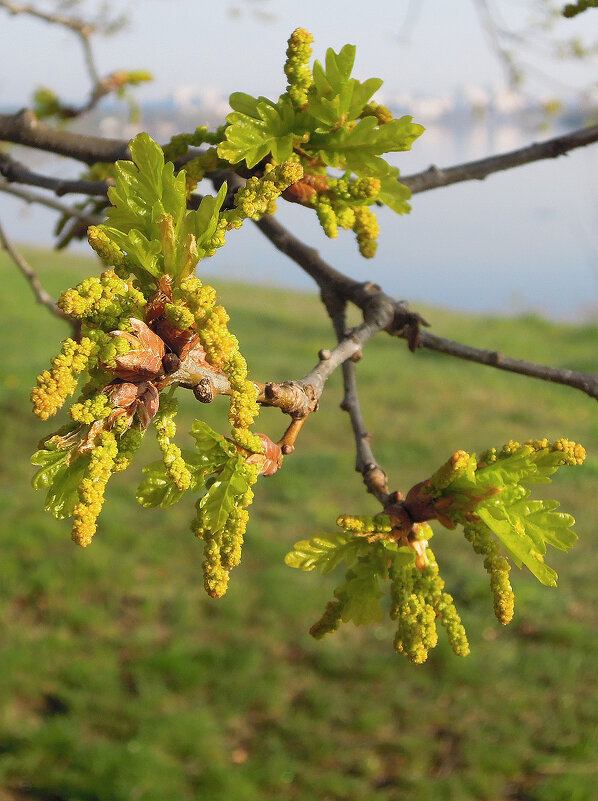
119, 678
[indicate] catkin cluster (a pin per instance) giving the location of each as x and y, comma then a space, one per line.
180, 143
106, 249
55, 385
573, 453
498, 568
382, 114
417, 601
365, 524
344, 204
222, 546
450, 471
103, 302
196, 168
330, 620
257, 196
88, 411
297, 67
366, 230
222, 352
92, 487
171, 454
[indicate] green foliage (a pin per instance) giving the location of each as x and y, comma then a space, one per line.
148, 316
325, 552
46, 103
223, 493
60, 474
488, 498
148, 219
147, 308
493, 490
267, 129
325, 131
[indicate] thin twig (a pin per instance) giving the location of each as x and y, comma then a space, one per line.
586, 382
374, 477
23, 128
15, 172
56, 205
72, 23
435, 177
40, 293
375, 305
83, 31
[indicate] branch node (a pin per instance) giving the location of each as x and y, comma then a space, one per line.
204, 391
272, 390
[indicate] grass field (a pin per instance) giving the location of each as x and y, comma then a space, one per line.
120, 680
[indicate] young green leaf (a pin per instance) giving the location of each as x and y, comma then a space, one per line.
325, 552
51, 462
360, 594
252, 139
359, 149
158, 488
62, 482
223, 494
212, 446
394, 194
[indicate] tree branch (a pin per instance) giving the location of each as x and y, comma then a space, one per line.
586, 382
376, 305
40, 293
23, 128
435, 177
15, 172
34, 197
79, 27
374, 477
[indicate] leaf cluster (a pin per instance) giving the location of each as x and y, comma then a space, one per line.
216, 469
148, 219
336, 128
489, 498
494, 492
137, 320
368, 561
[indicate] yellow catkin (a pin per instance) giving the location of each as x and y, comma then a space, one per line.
91, 489
296, 67
55, 385
171, 454
367, 230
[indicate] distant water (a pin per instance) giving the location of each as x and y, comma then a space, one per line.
525, 240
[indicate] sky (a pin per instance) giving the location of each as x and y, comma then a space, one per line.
416, 46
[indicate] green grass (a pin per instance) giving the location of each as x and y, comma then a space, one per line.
121, 680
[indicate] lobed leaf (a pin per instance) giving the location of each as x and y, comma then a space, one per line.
223, 494
360, 594
394, 194
360, 149
252, 138
63, 487
51, 462
212, 446
325, 552
159, 489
